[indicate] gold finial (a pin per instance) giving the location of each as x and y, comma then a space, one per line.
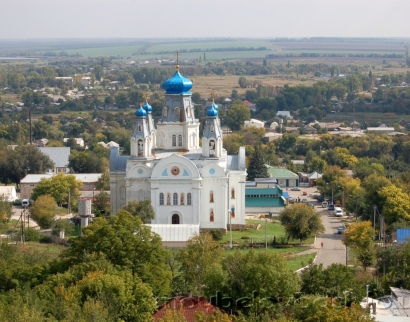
140, 104
146, 96
212, 96
177, 66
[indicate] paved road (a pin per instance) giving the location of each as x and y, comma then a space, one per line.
333, 250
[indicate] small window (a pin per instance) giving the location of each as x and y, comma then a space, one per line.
233, 193
175, 199
180, 140
139, 127
174, 140
188, 199
165, 112
211, 216
175, 219
176, 112
182, 201
211, 196
212, 145
161, 199
212, 128
168, 199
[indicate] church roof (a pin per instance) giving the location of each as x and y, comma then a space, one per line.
117, 161
177, 84
141, 112
147, 107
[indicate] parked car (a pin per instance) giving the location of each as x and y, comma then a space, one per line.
311, 204
295, 189
331, 207
25, 202
304, 200
338, 212
325, 204
304, 193
340, 230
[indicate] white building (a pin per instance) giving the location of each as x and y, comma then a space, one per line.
256, 123
186, 183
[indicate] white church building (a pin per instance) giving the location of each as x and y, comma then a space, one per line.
191, 186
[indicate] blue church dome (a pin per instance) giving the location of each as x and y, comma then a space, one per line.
212, 111
215, 106
141, 112
177, 84
147, 107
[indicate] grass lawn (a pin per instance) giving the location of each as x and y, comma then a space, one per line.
258, 235
301, 261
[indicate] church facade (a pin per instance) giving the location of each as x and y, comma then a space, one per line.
188, 183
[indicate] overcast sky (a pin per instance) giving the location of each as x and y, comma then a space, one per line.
203, 18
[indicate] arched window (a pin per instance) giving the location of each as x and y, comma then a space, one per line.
211, 216
174, 140
168, 199
176, 112
139, 127
188, 199
180, 140
212, 128
211, 196
175, 199
175, 219
161, 199
211, 145
232, 212
182, 201
188, 111
140, 148
165, 112
233, 193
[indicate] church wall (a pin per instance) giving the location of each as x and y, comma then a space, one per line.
236, 199
214, 199
117, 191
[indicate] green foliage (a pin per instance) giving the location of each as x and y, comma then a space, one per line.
257, 167
301, 221
5, 210
24, 159
141, 209
127, 243
62, 225
101, 204
85, 162
216, 234
58, 186
32, 235
237, 114
43, 211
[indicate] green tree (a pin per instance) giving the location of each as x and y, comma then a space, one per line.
257, 167
243, 83
101, 204
5, 210
266, 273
317, 164
59, 186
141, 209
200, 256
43, 211
360, 237
98, 72
301, 222
25, 159
121, 100
237, 114
396, 204
85, 162
127, 243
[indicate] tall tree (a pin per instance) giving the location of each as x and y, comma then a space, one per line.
43, 211
16, 164
85, 162
237, 114
301, 221
257, 167
127, 243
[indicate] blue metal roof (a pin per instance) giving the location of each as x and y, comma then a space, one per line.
177, 84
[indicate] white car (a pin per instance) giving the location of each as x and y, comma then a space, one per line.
338, 212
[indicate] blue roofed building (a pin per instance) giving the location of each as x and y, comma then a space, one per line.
264, 197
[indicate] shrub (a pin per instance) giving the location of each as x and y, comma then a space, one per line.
216, 234
32, 234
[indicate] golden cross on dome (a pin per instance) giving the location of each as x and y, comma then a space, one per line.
146, 96
177, 53
212, 96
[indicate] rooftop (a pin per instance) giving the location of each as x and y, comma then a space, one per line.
281, 173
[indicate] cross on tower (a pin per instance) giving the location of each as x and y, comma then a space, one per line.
177, 53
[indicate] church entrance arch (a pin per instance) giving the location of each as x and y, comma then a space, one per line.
175, 219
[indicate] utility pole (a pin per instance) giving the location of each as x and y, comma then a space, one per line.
266, 233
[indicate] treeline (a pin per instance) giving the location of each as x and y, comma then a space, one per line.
394, 55
200, 50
